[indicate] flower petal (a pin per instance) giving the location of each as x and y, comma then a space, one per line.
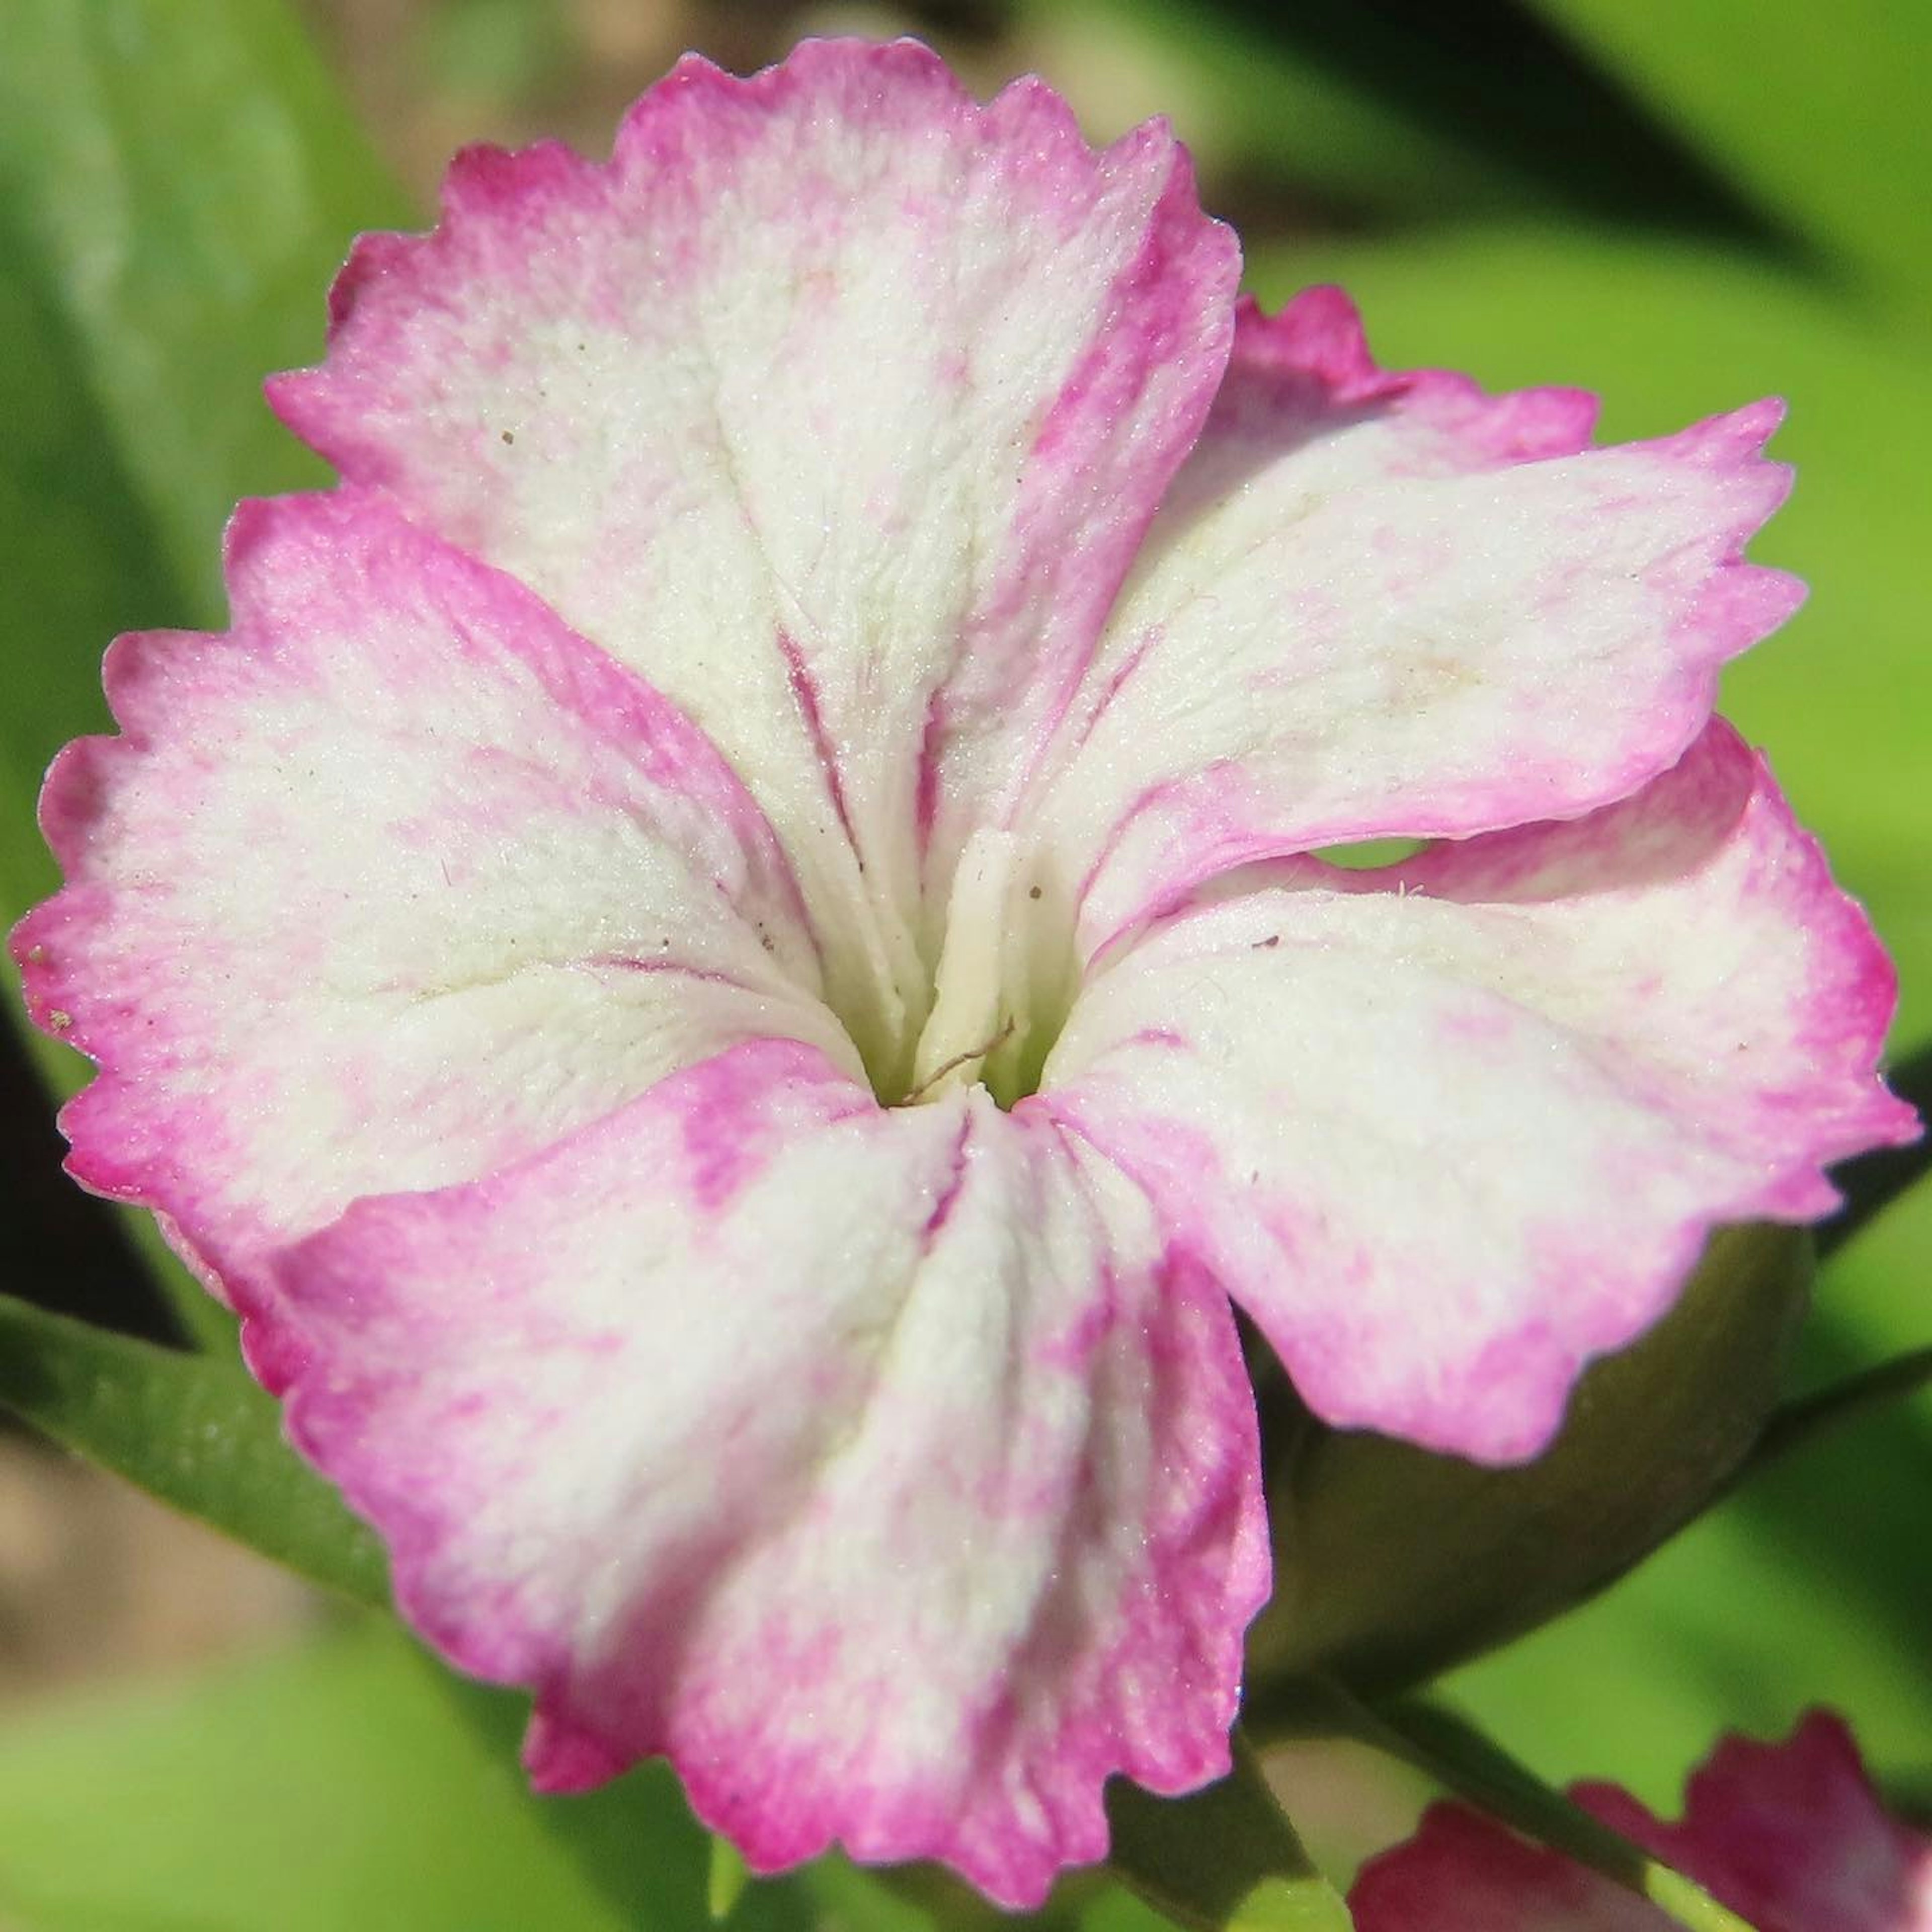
1448, 1129
1377, 604
907, 1540
1464, 1873
1792, 1836
395, 881
835, 402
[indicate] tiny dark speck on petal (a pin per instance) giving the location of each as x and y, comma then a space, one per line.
509, 435
1269, 943
1033, 892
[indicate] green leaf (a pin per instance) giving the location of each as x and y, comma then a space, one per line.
1244, 100
1224, 1859
81, 563
1405, 112
193, 1429
186, 178
1820, 111
355, 1782
340, 1785
728, 1877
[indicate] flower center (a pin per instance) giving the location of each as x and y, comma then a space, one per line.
986, 1023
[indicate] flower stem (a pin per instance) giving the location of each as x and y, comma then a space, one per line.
1796, 1423
725, 1883
1224, 1859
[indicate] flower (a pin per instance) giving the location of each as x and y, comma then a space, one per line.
727, 964
1792, 1836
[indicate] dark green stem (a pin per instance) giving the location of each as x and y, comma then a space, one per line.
1224, 1859
1797, 1423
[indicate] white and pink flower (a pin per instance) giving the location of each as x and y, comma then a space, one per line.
728, 962
1792, 1836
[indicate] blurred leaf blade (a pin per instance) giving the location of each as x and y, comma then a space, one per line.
186, 177
1819, 113
336, 1786
1252, 102
192, 1429
354, 1781
1411, 111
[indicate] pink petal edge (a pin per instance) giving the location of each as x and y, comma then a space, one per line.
198, 953
1672, 992
878, 589
1457, 748
1094, 1474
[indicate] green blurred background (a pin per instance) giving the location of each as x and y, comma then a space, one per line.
1683, 206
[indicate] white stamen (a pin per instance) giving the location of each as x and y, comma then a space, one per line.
966, 1022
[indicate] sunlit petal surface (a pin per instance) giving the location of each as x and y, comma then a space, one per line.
727, 961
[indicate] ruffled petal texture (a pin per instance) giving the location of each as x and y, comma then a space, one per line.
811, 615
880, 1468
1448, 1129
1791, 1836
396, 881
835, 402
1377, 604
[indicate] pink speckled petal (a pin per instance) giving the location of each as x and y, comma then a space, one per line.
878, 1467
396, 880
835, 402
1791, 1836
1377, 604
1464, 1873
1448, 1129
